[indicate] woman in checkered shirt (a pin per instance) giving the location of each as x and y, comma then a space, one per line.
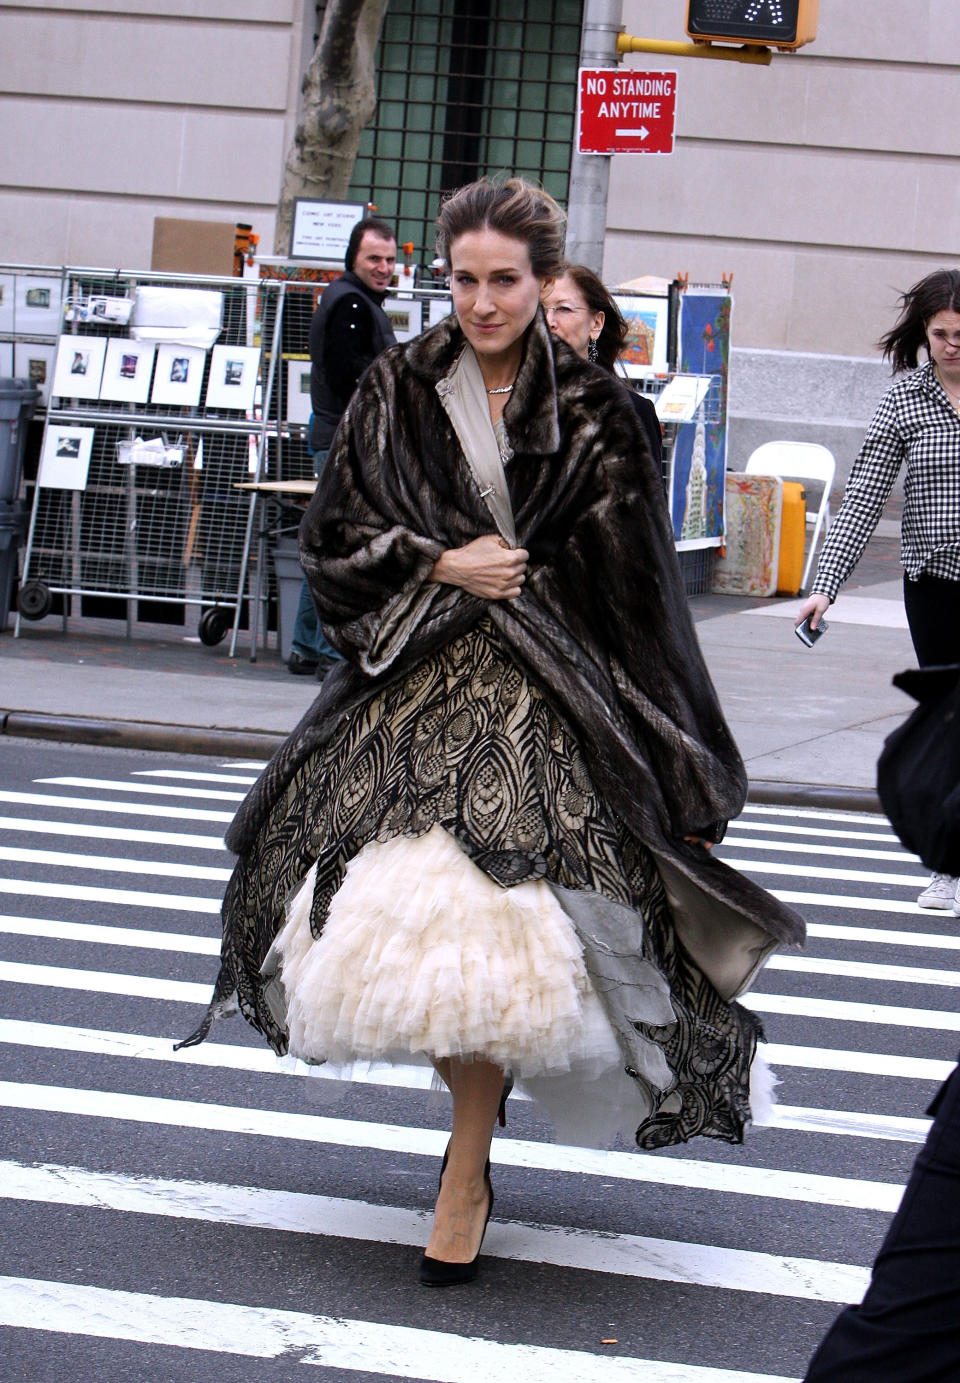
917, 424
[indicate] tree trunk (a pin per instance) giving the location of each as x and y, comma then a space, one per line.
339, 98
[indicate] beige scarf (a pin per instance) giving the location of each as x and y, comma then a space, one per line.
464, 397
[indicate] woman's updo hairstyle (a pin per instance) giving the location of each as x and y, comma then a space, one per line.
513, 207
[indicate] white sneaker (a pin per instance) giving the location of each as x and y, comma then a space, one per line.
941, 892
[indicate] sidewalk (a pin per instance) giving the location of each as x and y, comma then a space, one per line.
810, 722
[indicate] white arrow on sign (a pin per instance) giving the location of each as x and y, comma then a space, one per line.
633, 134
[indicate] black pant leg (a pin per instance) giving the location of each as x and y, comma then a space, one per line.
933, 614
907, 1328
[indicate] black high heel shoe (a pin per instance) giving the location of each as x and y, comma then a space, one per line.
436, 1272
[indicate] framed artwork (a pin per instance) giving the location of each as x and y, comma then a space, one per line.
127, 369
299, 406
65, 458
178, 376
321, 230
645, 349
8, 288
37, 305
79, 367
406, 317
233, 377
36, 364
6, 359
440, 308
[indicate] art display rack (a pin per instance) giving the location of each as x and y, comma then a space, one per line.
136, 512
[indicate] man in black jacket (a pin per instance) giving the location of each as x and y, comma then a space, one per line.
348, 331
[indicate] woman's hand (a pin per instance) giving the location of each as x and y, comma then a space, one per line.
816, 607
699, 840
487, 567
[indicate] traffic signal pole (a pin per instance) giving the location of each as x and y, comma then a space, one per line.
590, 173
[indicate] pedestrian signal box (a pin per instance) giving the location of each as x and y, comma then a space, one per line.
776, 23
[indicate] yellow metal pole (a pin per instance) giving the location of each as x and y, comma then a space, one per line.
626, 43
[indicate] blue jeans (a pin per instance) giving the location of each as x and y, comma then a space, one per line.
308, 638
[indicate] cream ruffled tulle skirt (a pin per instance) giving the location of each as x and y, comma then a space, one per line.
423, 955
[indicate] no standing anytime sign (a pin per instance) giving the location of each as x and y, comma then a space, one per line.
626, 112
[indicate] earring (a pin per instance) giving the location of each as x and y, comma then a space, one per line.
593, 355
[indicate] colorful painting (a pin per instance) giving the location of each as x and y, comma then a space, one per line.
700, 453
752, 551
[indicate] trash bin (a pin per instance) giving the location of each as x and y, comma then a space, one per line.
18, 399
13, 528
289, 574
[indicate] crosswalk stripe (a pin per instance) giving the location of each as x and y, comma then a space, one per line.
847, 1011
802, 848
811, 1187
154, 789
110, 864
192, 777
810, 871
95, 934
99, 804
804, 898
105, 982
626, 1255
758, 809
865, 970
127, 897
258, 765
330, 1342
221, 1056
859, 1063
940, 941
181, 840
820, 832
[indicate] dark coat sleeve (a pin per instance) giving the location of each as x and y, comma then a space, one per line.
363, 544
647, 414
348, 346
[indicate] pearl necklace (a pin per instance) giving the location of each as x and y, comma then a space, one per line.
505, 390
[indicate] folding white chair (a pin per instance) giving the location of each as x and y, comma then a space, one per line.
800, 461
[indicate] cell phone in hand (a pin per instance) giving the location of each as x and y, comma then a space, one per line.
809, 636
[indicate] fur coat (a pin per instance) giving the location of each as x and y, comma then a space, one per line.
602, 624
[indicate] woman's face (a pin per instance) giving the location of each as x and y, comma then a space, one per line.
495, 292
569, 317
943, 338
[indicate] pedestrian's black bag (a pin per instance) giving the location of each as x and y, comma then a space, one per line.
918, 772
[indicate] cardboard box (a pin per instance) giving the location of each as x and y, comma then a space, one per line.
192, 247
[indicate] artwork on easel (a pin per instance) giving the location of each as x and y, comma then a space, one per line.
233, 377
178, 377
79, 367
127, 370
65, 459
645, 349
299, 406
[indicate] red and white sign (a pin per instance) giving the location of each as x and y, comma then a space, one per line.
626, 112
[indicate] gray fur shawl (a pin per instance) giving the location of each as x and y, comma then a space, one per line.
602, 623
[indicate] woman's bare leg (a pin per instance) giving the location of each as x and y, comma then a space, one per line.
458, 1218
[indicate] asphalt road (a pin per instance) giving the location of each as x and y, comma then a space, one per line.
214, 1214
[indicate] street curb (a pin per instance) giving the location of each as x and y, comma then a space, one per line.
140, 734
191, 739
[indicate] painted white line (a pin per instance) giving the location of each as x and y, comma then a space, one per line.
865, 970
109, 936
802, 898
626, 1255
192, 777
859, 1063
87, 831
260, 1332
105, 982
100, 804
256, 764
660, 1170
852, 1124
844, 1012
939, 941
811, 871
110, 864
154, 789
792, 847
820, 832
817, 814
129, 897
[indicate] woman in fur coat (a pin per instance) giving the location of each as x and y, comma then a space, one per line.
484, 843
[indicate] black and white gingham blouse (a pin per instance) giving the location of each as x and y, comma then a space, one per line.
915, 423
